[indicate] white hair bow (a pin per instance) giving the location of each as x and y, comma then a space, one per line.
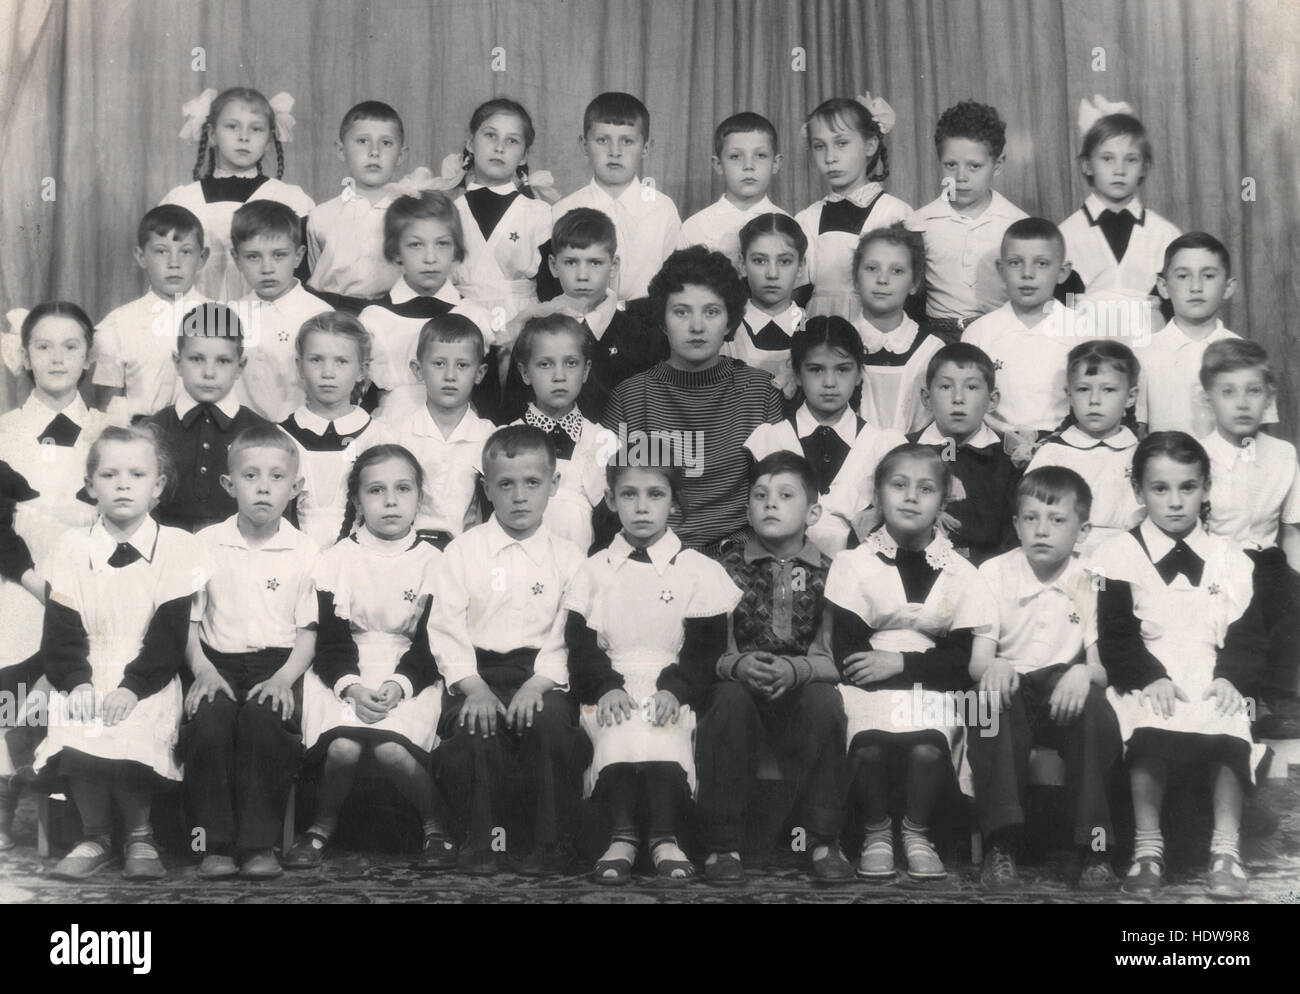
414, 183
281, 105
11, 340
542, 183
880, 111
1090, 112
196, 114
450, 173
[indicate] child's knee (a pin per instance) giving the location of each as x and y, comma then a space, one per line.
867, 752
821, 707
390, 755
345, 751
927, 754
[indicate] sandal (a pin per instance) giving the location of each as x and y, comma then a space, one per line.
437, 852
87, 857
614, 868
308, 851
671, 864
143, 861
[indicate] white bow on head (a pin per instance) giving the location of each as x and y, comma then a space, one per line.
452, 174
281, 104
196, 114
11, 340
877, 107
1090, 112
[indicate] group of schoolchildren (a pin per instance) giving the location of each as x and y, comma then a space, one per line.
523, 502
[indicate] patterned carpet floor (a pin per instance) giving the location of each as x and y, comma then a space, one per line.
1273, 861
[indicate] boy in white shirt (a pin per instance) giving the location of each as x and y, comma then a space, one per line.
746, 154
615, 140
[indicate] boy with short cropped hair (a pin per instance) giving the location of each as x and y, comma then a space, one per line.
746, 154
776, 681
206, 417
961, 392
444, 434
964, 225
496, 600
615, 140
252, 636
266, 243
345, 236
1197, 280
1041, 661
131, 356
1027, 337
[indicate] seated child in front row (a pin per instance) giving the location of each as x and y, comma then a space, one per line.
961, 391
645, 624
266, 239
772, 248
116, 624
496, 600
423, 238
444, 433
1095, 442
776, 681
698, 298
205, 419
552, 355
827, 359
333, 352
1182, 640
252, 636
887, 267
904, 609
584, 259
128, 360
1040, 664
1257, 505
373, 685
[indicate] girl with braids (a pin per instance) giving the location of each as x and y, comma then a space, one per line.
504, 222
847, 141
1182, 640
234, 131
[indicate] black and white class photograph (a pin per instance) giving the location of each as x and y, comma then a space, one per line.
689, 452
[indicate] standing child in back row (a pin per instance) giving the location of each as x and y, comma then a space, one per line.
615, 140
772, 250
746, 155
847, 142
233, 131
964, 225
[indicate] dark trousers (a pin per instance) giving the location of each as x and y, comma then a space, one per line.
240, 757
1277, 590
1090, 745
535, 769
805, 728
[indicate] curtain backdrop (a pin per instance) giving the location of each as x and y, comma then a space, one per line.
91, 91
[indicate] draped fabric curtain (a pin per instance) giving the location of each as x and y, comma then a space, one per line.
91, 91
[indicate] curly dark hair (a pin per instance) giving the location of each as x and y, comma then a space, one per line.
697, 266
976, 121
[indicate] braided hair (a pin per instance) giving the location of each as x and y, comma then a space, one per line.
839, 112
206, 160
500, 105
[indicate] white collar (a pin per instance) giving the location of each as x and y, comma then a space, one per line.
285, 299
661, 553
75, 411
1077, 438
1180, 339
938, 554
896, 342
504, 189
599, 317
764, 206
1027, 586
285, 537
1158, 543
386, 546
805, 423
984, 436
999, 207
629, 198
220, 173
535, 546
403, 291
426, 427
859, 197
788, 320
1221, 450
227, 405
1095, 207
353, 421
102, 545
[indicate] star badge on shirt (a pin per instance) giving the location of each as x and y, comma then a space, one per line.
514, 236
997, 363
1213, 589
1074, 618
284, 336
613, 350
408, 595
538, 589
272, 584
666, 596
